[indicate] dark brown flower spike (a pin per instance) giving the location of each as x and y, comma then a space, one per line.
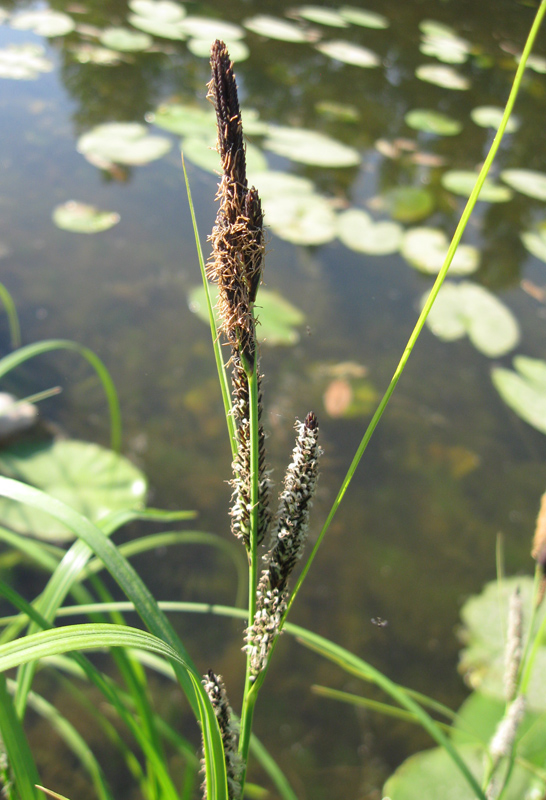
214, 687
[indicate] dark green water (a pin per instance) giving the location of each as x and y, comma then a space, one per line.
450, 466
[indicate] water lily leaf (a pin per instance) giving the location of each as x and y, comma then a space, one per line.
344, 112
82, 218
275, 28
467, 308
446, 77
367, 19
86, 53
535, 241
278, 319
350, 398
349, 53
524, 390
537, 63
124, 40
23, 62
423, 119
439, 42
273, 183
305, 219
184, 119
426, 249
211, 29
526, 181
202, 152
159, 10
431, 27
462, 182
238, 51
491, 116
158, 27
408, 203
322, 16
357, 230
123, 143
44, 22
310, 147
89, 478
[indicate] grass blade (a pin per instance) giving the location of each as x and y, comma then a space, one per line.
21, 763
13, 319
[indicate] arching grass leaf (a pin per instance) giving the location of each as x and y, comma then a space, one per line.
322, 16
524, 390
527, 181
82, 218
467, 308
278, 319
491, 116
123, 143
23, 62
367, 19
462, 182
423, 119
125, 40
310, 147
446, 77
358, 231
88, 478
43, 22
426, 249
275, 28
349, 53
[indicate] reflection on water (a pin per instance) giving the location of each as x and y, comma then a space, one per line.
450, 466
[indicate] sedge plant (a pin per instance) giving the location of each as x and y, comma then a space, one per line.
273, 540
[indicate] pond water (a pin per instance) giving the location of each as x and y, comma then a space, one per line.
450, 467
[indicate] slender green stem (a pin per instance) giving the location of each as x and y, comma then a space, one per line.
469, 207
13, 319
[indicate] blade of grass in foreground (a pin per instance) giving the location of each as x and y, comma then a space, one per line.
21, 763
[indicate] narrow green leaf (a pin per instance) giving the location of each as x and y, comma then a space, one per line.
13, 318
21, 763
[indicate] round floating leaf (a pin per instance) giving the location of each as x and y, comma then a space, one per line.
349, 53
271, 183
367, 19
535, 242
185, 120
537, 63
123, 143
158, 10
344, 112
125, 40
157, 27
274, 28
491, 116
445, 47
422, 119
86, 53
202, 152
82, 218
44, 22
278, 319
322, 16
23, 62
526, 181
300, 219
211, 29
426, 249
310, 147
467, 308
446, 77
408, 203
524, 390
359, 232
430, 27
426, 775
89, 478
462, 182
238, 51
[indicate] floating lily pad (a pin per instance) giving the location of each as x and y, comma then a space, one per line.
367, 19
123, 143
125, 40
322, 16
408, 203
426, 249
278, 319
536, 63
446, 77
157, 27
185, 120
349, 53
431, 27
159, 10
23, 62
272, 183
524, 390
526, 181
44, 22
350, 398
462, 182
82, 218
343, 112
358, 231
211, 29
202, 152
535, 241
491, 116
444, 45
275, 28
422, 119
86, 53
300, 219
467, 308
238, 51
88, 478
310, 147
